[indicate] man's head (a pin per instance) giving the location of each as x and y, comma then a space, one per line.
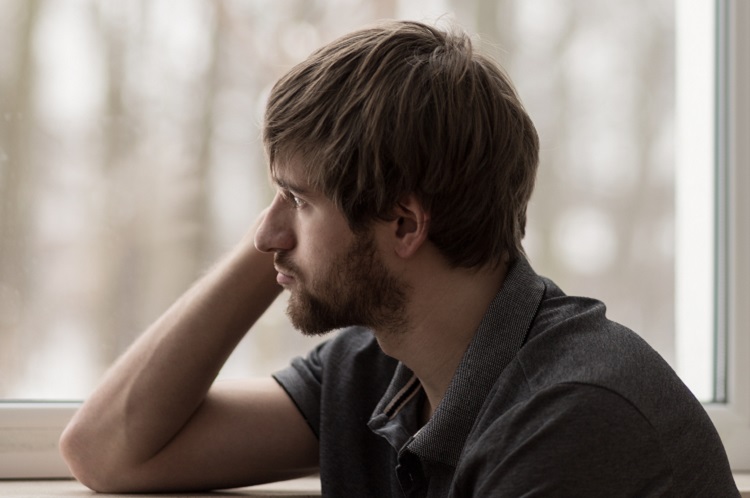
336, 277
406, 109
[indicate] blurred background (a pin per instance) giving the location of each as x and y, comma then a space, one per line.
130, 160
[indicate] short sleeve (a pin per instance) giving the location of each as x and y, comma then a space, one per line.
349, 370
302, 380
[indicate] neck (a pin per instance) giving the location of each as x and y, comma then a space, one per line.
445, 310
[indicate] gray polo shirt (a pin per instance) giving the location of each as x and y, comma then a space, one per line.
550, 399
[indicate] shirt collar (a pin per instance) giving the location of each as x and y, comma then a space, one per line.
495, 343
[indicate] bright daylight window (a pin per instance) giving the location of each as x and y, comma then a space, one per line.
130, 160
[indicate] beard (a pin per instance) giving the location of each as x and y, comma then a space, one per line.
356, 289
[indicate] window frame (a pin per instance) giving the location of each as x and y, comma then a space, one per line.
29, 435
29, 431
732, 418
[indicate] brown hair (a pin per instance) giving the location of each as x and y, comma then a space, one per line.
404, 108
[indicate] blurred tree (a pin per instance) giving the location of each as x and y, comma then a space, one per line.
167, 169
16, 191
113, 303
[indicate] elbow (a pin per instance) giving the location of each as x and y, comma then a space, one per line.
86, 462
76, 454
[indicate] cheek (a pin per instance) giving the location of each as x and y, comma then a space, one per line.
325, 237
311, 254
322, 235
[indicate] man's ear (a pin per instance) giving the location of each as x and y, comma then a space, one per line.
411, 226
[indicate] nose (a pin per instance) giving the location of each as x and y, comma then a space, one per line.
275, 231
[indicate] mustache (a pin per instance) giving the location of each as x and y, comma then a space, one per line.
284, 264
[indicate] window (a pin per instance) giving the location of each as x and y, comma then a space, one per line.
732, 281
130, 160
696, 213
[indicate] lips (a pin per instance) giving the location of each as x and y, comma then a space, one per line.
285, 276
283, 279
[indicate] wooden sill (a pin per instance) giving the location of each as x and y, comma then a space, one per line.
743, 483
308, 487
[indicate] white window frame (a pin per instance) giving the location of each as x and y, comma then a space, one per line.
732, 419
29, 435
29, 432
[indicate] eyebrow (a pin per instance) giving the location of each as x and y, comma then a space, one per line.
286, 185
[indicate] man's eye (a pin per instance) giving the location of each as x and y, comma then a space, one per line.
293, 199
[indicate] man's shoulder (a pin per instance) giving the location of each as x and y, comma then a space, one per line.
571, 339
573, 342
583, 439
572, 438
588, 386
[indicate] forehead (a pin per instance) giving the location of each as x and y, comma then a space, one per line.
290, 173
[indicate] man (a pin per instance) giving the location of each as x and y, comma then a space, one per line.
403, 164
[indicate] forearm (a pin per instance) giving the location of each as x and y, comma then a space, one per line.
156, 386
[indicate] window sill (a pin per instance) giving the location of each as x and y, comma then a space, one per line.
308, 487
743, 483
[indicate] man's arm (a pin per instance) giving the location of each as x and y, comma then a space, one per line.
157, 423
